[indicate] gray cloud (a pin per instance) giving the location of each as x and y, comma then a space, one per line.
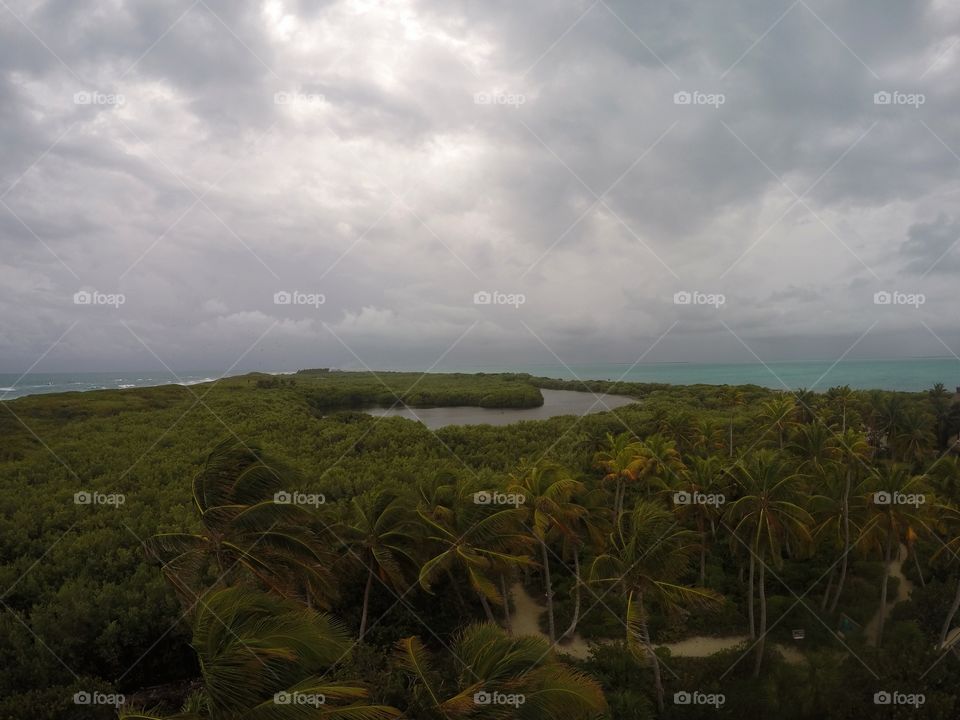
379, 182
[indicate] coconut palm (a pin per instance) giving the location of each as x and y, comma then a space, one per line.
777, 414
380, 536
949, 521
622, 464
767, 518
247, 523
732, 398
648, 555
840, 399
702, 477
490, 663
805, 403
816, 448
589, 529
548, 490
893, 519
476, 538
262, 656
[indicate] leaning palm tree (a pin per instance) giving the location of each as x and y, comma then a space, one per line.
892, 520
648, 555
548, 509
767, 518
497, 676
949, 521
476, 538
622, 464
262, 656
380, 537
247, 524
589, 530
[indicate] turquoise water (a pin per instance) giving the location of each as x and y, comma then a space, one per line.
913, 375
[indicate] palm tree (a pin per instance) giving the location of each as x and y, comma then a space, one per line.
478, 539
265, 657
732, 397
662, 461
648, 555
816, 449
949, 517
247, 522
777, 413
805, 402
622, 462
548, 489
380, 537
892, 519
588, 529
768, 515
704, 476
913, 437
840, 398
491, 663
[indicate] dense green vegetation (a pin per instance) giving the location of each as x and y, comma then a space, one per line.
182, 578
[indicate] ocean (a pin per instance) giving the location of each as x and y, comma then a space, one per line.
910, 375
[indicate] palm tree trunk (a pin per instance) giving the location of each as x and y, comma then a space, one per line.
826, 593
883, 587
753, 627
950, 615
549, 588
654, 660
703, 558
506, 604
763, 623
576, 595
916, 561
486, 607
846, 543
366, 604
731, 433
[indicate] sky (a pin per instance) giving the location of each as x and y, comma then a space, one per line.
235, 185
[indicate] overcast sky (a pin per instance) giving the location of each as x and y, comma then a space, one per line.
179, 163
